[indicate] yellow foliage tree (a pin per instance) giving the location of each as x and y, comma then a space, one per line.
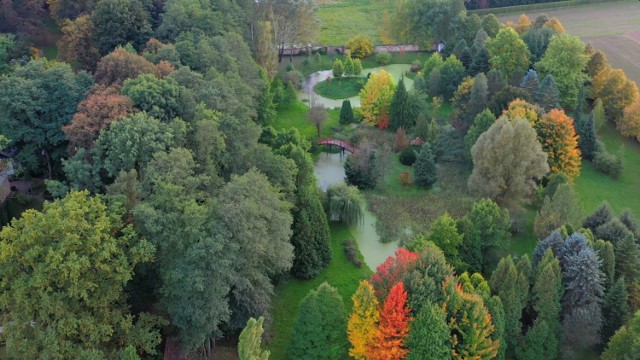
630, 124
555, 25
360, 46
375, 98
558, 137
521, 109
616, 92
363, 322
522, 26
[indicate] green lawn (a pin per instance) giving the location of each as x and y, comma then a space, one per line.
595, 187
341, 274
341, 22
296, 117
340, 88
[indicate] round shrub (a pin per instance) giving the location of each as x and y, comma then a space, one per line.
383, 58
360, 46
408, 155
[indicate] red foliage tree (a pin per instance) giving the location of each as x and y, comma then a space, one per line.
393, 328
102, 107
391, 271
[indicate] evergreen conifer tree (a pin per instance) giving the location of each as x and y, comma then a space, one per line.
398, 114
250, 340
319, 330
429, 335
346, 113
615, 309
530, 83
425, 167
587, 139
548, 96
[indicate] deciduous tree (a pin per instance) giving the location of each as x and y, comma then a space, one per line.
363, 322
294, 22
624, 343
361, 46
160, 98
393, 328
500, 175
118, 22
565, 61
560, 209
249, 344
37, 100
121, 65
72, 271
559, 140
507, 52
375, 98
616, 92
76, 43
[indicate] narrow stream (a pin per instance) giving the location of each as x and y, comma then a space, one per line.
330, 170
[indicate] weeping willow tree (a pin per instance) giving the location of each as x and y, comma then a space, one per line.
344, 204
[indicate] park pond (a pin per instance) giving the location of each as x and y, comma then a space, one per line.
329, 170
308, 95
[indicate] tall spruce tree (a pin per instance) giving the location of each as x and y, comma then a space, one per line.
584, 291
548, 96
530, 83
425, 167
587, 139
398, 114
615, 309
513, 289
628, 260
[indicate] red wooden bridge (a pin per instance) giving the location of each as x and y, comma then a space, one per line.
343, 144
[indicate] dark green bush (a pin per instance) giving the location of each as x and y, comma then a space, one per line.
408, 155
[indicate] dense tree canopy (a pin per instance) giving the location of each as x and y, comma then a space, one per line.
36, 101
63, 276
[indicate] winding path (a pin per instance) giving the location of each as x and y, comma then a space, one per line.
313, 98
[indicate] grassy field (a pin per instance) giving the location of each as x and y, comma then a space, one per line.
340, 88
595, 187
613, 27
342, 21
341, 274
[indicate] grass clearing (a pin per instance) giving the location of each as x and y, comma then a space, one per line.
341, 274
595, 187
340, 88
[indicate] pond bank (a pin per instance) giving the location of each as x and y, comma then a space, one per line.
329, 170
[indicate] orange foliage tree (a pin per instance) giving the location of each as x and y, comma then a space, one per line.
363, 322
391, 271
558, 137
470, 324
393, 328
375, 99
102, 107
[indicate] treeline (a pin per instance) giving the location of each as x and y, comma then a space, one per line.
175, 208
489, 4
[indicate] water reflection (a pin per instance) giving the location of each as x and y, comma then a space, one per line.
330, 170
